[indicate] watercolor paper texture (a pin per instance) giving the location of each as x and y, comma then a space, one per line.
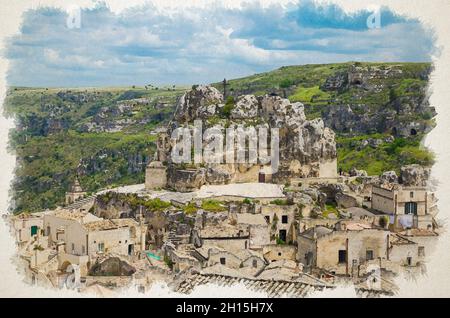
238, 148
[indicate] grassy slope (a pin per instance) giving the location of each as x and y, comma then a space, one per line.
48, 161
304, 83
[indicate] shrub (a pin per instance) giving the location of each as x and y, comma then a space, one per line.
191, 208
212, 206
228, 108
280, 202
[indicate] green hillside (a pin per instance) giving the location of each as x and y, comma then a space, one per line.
106, 135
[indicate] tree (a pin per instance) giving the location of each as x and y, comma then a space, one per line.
285, 84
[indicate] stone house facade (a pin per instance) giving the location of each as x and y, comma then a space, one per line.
409, 207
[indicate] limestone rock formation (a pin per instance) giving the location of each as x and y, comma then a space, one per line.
185, 180
414, 175
357, 173
200, 102
112, 266
306, 147
388, 177
345, 201
245, 108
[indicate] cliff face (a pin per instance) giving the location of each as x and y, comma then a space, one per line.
402, 109
304, 145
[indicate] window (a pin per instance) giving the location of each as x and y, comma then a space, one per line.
409, 260
267, 217
369, 255
73, 247
411, 208
255, 263
279, 253
83, 249
411, 194
282, 235
342, 256
421, 250
222, 260
101, 247
284, 219
34, 230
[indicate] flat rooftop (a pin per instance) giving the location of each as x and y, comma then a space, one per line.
245, 190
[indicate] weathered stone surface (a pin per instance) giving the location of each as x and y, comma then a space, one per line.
215, 175
414, 175
185, 180
305, 146
246, 107
200, 102
388, 177
345, 201
357, 173
112, 266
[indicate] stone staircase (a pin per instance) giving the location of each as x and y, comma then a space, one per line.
173, 237
80, 203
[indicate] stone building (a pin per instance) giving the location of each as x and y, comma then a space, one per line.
155, 176
235, 258
25, 226
342, 249
85, 242
222, 235
56, 222
407, 206
75, 192
281, 220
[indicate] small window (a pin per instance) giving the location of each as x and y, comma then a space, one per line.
411, 194
222, 260
101, 247
409, 260
342, 257
83, 249
255, 263
284, 219
411, 208
73, 247
120, 242
267, 217
421, 250
369, 255
279, 253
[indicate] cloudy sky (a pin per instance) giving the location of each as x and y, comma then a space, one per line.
145, 44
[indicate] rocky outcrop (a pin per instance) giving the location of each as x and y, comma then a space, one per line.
112, 266
216, 175
388, 177
200, 102
304, 145
345, 201
184, 180
245, 108
414, 175
357, 173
